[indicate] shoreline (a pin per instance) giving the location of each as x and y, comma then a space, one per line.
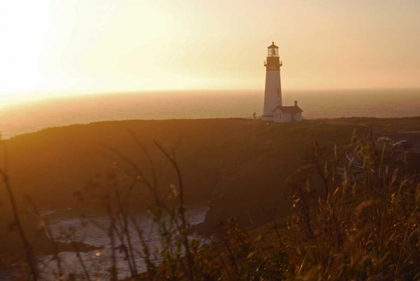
66, 250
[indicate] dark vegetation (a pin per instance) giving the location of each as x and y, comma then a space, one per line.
330, 203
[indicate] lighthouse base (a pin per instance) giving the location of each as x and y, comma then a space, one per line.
267, 118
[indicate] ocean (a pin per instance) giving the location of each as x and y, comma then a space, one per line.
94, 231
34, 116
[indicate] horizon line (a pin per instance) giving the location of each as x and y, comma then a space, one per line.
77, 94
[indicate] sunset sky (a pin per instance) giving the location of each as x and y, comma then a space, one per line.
64, 47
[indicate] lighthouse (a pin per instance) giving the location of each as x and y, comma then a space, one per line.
272, 95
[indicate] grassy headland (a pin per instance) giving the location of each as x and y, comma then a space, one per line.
244, 168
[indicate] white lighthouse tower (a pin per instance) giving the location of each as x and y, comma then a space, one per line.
272, 96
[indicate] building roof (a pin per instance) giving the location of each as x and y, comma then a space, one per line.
272, 46
288, 109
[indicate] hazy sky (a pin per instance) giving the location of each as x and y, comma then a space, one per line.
53, 47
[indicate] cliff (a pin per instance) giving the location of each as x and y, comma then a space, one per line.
242, 167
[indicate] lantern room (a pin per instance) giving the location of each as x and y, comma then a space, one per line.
273, 50
273, 61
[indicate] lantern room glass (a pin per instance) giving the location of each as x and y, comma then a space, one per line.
273, 52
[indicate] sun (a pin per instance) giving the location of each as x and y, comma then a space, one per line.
23, 28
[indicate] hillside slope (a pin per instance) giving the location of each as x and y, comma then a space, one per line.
242, 167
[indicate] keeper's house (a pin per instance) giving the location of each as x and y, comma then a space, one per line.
287, 113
